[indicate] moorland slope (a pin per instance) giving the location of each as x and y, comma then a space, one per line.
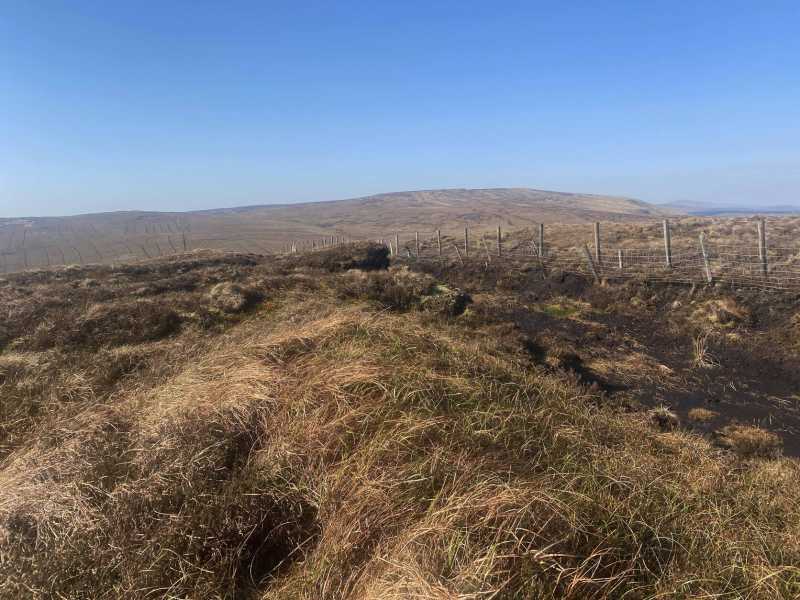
83, 239
234, 426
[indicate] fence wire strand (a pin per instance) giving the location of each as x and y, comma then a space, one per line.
725, 262
737, 264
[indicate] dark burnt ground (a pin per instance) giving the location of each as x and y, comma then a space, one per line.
755, 377
755, 373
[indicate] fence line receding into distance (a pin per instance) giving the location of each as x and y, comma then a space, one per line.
691, 260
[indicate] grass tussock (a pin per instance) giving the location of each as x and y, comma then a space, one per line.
664, 418
702, 358
398, 288
327, 448
702, 415
232, 298
564, 308
750, 442
722, 313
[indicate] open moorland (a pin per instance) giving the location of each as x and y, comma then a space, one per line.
339, 424
125, 236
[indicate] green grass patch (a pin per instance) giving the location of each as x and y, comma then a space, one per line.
560, 311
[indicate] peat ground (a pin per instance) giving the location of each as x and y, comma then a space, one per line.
634, 341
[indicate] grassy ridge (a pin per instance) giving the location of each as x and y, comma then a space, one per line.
129, 235
322, 446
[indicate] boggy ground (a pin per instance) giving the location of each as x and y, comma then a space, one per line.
728, 351
236, 426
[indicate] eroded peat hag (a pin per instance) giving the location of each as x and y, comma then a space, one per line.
341, 426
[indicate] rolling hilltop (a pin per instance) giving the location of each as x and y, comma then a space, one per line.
102, 237
430, 209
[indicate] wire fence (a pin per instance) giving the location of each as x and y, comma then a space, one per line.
83, 250
701, 261
686, 260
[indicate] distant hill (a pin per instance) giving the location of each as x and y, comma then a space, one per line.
46, 241
706, 209
426, 209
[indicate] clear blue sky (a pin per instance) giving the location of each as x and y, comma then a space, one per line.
176, 105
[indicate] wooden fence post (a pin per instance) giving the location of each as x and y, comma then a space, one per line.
709, 278
541, 239
488, 254
667, 244
499, 242
762, 246
397, 245
591, 263
466, 241
541, 264
619, 256
416, 241
439, 241
597, 254
458, 253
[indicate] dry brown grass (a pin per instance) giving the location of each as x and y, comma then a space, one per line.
721, 313
664, 418
232, 298
702, 358
327, 448
702, 415
750, 442
398, 288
